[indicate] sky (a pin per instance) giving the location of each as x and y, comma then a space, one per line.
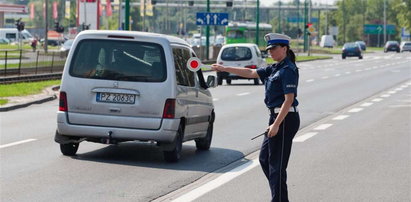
269, 2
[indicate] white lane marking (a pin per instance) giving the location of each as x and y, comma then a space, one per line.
341, 117
377, 100
337, 75
358, 70
242, 94
309, 80
354, 110
215, 99
398, 89
347, 72
323, 126
400, 106
306, 136
392, 92
224, 178
385, 95
367, 104
324, 77
16, 143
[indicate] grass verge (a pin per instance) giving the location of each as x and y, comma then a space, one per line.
22, 89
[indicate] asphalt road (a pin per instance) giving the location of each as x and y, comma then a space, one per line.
33, 169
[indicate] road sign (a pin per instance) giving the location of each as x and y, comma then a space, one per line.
212, 19
378, 29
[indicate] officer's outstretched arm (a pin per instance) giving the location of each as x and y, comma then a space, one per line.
240, 71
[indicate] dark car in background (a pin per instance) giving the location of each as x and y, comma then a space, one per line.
392, 46
362, 45
351, 49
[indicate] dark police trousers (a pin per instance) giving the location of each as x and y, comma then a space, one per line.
275, 153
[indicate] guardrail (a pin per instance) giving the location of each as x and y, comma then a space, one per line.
23, 62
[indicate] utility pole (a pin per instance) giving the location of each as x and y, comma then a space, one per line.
344, 22
127, 15
385, 21
305, 26
46, 29
120, 9
279, 17
257, 23
207, 33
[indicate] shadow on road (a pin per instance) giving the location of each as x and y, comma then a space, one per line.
149, 155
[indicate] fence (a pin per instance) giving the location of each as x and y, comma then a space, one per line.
23, 62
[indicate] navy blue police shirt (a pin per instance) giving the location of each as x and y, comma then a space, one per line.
279, 79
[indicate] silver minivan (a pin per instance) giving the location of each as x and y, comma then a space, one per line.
122, 86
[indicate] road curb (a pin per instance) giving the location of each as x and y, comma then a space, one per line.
18, 106
46, 98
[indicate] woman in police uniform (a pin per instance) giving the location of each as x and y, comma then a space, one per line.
281, 82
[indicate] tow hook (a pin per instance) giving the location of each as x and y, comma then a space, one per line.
108, 140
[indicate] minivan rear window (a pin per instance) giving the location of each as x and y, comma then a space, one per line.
236, 54
119, 60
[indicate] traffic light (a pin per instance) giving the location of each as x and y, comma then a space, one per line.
309, 28
20, 25
229, 3
84, 26
58, 28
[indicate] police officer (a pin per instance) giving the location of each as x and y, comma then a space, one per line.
281, 82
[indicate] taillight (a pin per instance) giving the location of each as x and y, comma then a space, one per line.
63, 102
251, 66
169, 109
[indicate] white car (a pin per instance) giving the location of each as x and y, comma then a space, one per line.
245, 55
405, 46
122, 86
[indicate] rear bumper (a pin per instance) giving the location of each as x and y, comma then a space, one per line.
166, 133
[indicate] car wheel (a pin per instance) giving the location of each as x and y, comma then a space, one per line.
343, 57
69, 149
175, 154
204, 143
256, 82
219, 80
228, 81
360, 57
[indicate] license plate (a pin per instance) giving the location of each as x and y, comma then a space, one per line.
116, 98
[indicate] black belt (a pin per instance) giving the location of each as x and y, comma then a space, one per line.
276, 110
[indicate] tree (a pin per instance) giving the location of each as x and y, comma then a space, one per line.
402, 8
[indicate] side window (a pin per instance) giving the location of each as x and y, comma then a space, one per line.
11, 36
184, 76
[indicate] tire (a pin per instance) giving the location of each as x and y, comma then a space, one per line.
256, 82
343, 57
204, 143
228, 81
175, 154
219, 80
360, 57
69, 149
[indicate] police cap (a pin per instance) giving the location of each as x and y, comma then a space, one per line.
274, 39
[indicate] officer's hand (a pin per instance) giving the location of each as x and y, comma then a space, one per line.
217, 67
272, 130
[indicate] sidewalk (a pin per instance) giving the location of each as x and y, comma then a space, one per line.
24, 101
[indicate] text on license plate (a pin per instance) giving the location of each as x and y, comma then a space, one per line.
116, 98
